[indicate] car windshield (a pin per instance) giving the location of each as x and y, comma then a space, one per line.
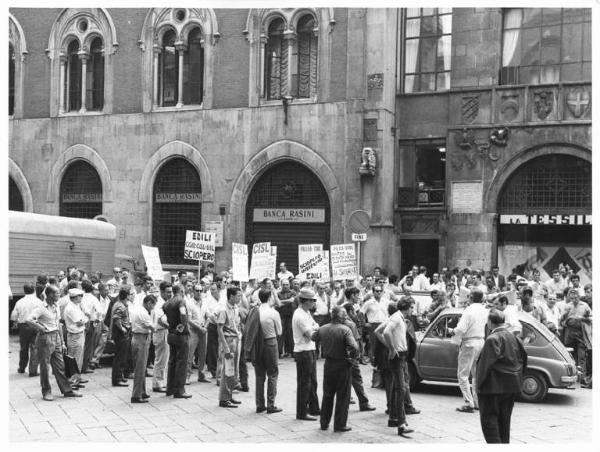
534, 324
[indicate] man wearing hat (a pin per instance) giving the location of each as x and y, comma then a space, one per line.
303, 327
75, 321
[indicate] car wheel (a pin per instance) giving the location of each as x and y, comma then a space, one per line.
534, 387
413, 377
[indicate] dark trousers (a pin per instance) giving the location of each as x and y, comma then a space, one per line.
495, 411
50, 354
398, 388
267, 367
307, 400
212, 348
90, 343
321, 320
122, 344
242, 365
139, 348
286, 340
177, 368
337, 378
357, 384
28, 352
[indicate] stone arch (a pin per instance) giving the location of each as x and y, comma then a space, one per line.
17, 175
167, 151
271, 155
521, 158
17, 39
73, 153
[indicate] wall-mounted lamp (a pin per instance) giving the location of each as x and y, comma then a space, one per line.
286, 100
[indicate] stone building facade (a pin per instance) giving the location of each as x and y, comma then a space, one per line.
162, 120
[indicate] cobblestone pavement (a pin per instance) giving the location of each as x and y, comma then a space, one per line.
104, 414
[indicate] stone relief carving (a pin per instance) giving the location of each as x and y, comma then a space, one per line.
368, 164
543, 103
578, 101
469, 108
472, 147
509, 107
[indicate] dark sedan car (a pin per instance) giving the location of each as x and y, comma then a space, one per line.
549, 364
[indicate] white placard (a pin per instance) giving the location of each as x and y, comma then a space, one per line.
262, 262
467, 197
152, 258
310, 261
239, 259
216, 228
343, 261
199, 246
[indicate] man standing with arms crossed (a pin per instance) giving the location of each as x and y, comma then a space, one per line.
304, 326
470, 333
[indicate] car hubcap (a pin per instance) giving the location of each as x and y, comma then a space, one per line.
530, 386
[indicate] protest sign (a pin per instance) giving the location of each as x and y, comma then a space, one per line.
239, 259
343, 261
152, 258
262, 262
312, 261
199, 246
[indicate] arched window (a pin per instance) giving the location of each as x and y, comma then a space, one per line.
276, 60
80, 191
15, 199
95, 76
304, 82
73, 79
11, 79
177, 208
193, 68
169, 70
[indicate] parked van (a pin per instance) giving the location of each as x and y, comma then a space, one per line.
49, 243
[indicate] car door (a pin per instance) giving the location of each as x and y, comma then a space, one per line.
437, 355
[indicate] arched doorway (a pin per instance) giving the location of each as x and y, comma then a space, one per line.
15, 199
288, 206
544, 217
80, 191
177, 207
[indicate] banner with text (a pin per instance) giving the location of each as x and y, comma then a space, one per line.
239, 259
152, 258
523, 258
262, 265
199, 246
343, 261
313, 263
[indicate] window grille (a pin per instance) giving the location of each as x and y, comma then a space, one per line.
15, 200
80, 191
557, 184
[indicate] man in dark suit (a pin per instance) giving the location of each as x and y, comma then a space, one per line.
500, 370
339, 348
499, 279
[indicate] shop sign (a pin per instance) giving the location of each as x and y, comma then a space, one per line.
289, 216
178, 197
559, 220
81, 197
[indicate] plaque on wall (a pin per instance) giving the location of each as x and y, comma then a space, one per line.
467, 197
370, 129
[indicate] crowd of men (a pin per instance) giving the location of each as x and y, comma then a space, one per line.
207, 328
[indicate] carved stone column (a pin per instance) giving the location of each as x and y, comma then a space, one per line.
181, 48
84, 57
262, 75
155, 62
288, 62
62, 91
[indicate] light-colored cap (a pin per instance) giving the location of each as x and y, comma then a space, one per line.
75, 293
306, 293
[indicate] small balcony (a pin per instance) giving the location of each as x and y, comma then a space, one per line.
422, 196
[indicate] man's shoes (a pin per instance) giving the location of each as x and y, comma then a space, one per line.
203, 380
72, 394
21, 371
342, 429
123, 380
352, 401
128, 376
403, 430
48, 397
244, 389
150, 366
35, 374
185, 395
88, 371
236, 402
367, 407
315, 413
92, 365
138, 400
194, 366
585, 385
121, 384
393, 423
159, 390
261, 409
149, 374
324, 427
237, 386
306, 417
81, 380
227, 404
411, 410
187, 382
465, 409
77, 386
145, 396
476, 408
274, 409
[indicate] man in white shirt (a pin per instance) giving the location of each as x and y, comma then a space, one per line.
196, 326
75, 321
142, 327
436, 283
421, 281
27, 333
102, 307
116, 279
267, 365
375, 311
511, 317
89, 306
159, 338
303, 327
470, 334
284, 273
144, 290
557, 285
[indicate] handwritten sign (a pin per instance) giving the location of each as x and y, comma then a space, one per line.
343, 261
152, 258
199, 246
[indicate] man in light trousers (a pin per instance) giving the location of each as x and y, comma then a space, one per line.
159, 338
75, 321
141, 327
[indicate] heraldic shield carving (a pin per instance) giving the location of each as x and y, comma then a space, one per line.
469, 108
578, 102
543, 103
